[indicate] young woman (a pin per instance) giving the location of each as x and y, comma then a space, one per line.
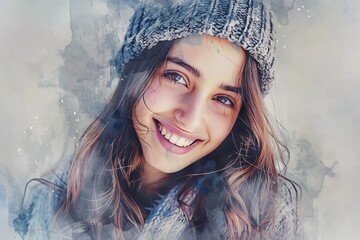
184, 149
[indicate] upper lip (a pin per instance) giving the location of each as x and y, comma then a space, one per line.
177, 131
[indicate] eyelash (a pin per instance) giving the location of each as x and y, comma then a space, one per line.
173, 75
227, 99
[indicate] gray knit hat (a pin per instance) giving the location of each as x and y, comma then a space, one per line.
246, 23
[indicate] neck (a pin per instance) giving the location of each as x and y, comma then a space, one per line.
152, 179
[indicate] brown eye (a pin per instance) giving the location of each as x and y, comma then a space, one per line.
175, 77
225, 100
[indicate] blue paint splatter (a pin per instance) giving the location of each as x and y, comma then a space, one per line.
21, 223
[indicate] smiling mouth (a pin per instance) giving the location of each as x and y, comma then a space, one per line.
174, 139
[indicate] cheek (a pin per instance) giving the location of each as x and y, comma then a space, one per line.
219, 128
148, 102
152, 94
158, 98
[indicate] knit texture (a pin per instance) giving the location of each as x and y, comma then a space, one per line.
166, 221
247, 23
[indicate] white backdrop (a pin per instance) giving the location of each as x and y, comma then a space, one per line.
55, 77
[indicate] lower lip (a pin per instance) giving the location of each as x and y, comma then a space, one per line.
172, 147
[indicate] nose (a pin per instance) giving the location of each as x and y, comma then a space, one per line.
191, 112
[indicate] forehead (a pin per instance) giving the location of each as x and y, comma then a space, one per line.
215, 58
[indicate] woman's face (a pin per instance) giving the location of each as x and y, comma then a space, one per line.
191, 104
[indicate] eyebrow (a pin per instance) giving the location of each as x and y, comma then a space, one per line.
183, 64
233, 89
196, 72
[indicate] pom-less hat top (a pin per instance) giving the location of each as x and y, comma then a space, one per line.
247, 23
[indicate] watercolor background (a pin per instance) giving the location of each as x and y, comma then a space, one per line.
55, 77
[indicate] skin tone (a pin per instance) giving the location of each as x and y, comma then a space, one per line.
190, 106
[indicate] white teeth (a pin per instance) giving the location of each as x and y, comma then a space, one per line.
167, 136
181, 142
163, 131
178, 141
173, 139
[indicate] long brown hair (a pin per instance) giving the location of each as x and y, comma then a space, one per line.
252, 177
248, 167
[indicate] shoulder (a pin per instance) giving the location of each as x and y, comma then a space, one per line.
286, 223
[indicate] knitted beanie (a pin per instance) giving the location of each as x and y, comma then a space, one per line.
247, 23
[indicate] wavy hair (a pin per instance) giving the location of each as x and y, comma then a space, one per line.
248, 167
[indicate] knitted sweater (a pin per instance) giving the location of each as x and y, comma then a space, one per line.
166, 221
